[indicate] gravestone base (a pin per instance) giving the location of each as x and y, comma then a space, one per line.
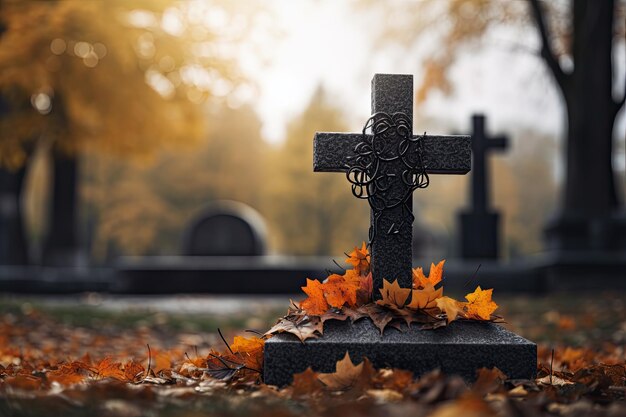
460, 348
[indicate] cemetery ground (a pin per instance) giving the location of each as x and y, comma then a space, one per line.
109, 370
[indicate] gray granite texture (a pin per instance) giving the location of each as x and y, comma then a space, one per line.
460, 348
390, 161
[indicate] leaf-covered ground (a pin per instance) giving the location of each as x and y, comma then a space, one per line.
78, 359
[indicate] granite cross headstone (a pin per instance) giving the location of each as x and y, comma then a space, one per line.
391, 227
479, 225
401, 159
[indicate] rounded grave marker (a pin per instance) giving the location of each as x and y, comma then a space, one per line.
226, 228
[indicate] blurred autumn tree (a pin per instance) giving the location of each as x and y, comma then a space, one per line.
312, 213
577, 40
143, 209
116, 77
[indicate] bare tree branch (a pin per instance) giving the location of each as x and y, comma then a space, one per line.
546, 48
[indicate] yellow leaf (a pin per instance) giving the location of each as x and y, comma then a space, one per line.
480, 305
450, 306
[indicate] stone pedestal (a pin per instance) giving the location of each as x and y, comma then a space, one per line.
580, 247
479, 235
460, 348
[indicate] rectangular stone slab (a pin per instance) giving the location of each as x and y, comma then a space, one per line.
460, 348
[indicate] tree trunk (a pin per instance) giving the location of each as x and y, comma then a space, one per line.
13, 247
590, 199
62, 247
590, 188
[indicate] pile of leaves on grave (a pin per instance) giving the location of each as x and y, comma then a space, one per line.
349, 296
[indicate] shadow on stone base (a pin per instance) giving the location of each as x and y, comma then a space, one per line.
460, 348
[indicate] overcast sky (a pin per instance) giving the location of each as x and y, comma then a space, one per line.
325, 43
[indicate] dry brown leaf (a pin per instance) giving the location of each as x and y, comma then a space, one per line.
380, 316
488, 381
348, 376
306, 383
301, 325
107, 368
425, 298
450, 306
393, 295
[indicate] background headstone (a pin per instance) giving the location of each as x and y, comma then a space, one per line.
479, 225
226, 228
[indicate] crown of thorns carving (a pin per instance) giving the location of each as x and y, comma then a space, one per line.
391, 140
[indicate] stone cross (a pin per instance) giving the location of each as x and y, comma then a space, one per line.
481, 145
391, 230
479, 225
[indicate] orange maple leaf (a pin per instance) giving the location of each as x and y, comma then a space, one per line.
250, 349
70, 373
425, 298
450, 306
316, 303
133, 370
480, 305
107, 368
364, 283
360, 259
434, 275
339, 291
393, 294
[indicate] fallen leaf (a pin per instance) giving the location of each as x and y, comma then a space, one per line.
360, 260
488, 381
469, 405
380, 315
348, 376
107, 368
316, 303
70, 373
385, 395
306, 383
480, 305
425, 298
302, 326
450, 306
393, 295
553, 380
338, 291
251, 351
364, 284
133, 370
518, 391
434, 275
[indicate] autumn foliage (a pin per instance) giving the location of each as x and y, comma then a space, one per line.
424, 302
